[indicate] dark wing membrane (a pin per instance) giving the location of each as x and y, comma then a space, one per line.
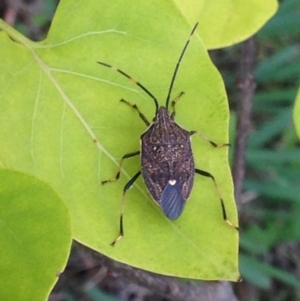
171, 201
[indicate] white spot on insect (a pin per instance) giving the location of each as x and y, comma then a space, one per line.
155, 148
172, 182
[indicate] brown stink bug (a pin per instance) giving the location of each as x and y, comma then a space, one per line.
167, 162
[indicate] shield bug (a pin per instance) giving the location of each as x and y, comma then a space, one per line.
167, 161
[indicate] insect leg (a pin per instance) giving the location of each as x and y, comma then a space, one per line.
126, 156
173, 103
133, 81
214, 144
209, 175
126, 187
137, 109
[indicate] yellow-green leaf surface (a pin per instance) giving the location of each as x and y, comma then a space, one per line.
35, 237
61, 120
226, 22
297, 114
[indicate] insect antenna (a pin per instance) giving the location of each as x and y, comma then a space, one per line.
177, 66
135, 82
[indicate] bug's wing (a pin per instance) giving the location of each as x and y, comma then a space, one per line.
171, 201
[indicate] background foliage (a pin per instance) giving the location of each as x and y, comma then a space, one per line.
270, 216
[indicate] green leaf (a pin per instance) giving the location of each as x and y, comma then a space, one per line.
270, 129
61, 120
251, 271
297, 113
287, 61
35, 236
286, 23
276, 96
258, 157
226, 22
260, 273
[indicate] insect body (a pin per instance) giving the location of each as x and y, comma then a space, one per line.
167, 162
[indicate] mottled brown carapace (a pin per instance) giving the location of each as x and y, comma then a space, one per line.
167, 163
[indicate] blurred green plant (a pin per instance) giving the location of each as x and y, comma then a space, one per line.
272, 221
